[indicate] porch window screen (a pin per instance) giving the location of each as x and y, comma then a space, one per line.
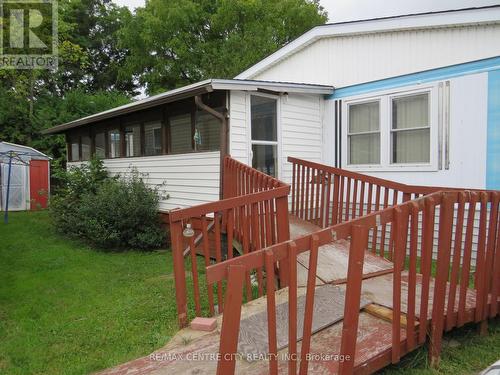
152, 138
364, 133
100, 145
180, 133
114, 143
133, 140
410, 131
85, 147
207, 132
75, 150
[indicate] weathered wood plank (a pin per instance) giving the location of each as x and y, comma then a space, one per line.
333, 259
328, 309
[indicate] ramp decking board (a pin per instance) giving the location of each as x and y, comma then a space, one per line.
333, 259
379, 290
328, 309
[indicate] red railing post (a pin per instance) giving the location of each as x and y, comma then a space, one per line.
481, 264
271, 313
442, 271
359, 242
283, 229
401, 234
490, 255
309, 305
179, 273
426, 263
292, 308
231, 320
336, 191
495, 288
412, 277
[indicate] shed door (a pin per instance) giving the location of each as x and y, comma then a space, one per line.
39, 183
17, 193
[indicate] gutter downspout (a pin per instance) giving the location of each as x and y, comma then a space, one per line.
223, 137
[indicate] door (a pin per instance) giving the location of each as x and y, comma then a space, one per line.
39, 183
17, 193
264, 134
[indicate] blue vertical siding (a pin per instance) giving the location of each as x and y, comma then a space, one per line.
493, 135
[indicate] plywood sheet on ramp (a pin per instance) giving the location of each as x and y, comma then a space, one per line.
328, 309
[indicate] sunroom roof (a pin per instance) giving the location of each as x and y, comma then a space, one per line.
198, 88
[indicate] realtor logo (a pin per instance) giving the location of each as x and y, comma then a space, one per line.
28, 34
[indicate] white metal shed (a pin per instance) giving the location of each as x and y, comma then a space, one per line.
29, 177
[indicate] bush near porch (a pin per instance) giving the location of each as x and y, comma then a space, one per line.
107, 212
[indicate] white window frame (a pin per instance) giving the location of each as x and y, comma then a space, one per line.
277, 143
385, 99
348, 144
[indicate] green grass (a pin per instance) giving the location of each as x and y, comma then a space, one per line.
464, 352
68, 309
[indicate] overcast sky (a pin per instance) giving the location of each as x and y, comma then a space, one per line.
347, 10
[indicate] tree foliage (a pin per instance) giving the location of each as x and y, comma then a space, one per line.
172, 43
106, 54
86, 81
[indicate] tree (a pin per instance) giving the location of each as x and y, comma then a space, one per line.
173, 43
94, 26
86, 81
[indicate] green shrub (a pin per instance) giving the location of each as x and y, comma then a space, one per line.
112, 213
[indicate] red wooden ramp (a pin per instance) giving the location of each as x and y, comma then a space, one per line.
427, 258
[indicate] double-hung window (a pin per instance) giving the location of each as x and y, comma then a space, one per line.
264, 134
364, 133
410, 129
390, 131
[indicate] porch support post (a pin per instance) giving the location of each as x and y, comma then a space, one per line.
223, 137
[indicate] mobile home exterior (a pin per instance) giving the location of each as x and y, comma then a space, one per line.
441, 70
414, 99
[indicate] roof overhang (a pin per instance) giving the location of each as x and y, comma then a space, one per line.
198, 88
22, 150
453, 18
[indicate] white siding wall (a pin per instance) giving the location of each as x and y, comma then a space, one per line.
347, 60
301, 130
189, 179
238, 130
300, 123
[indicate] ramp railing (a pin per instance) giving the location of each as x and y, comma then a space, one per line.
326, 195
252, 215
428, 296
